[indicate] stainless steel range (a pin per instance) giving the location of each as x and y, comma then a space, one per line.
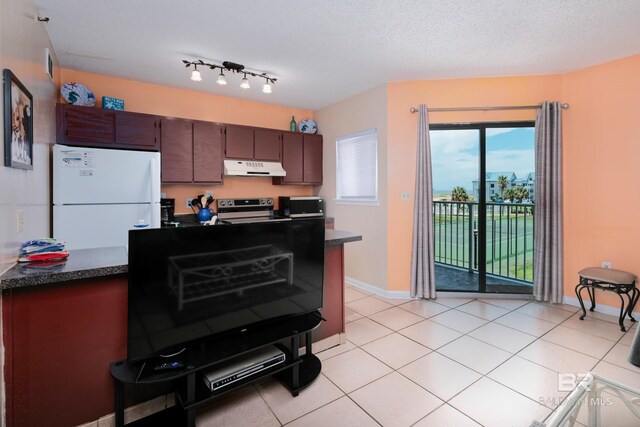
236, 211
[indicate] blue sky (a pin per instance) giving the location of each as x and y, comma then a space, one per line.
454, 155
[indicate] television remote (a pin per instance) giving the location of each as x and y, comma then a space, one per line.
165, 366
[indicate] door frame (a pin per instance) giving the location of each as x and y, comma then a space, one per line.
482, 202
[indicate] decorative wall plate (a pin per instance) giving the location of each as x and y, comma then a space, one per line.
307, 126
78, 94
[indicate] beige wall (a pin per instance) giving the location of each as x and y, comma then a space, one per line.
365, 261
601, 162
600, 156
22, 45
402, 137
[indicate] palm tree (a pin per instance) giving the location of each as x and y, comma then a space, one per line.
459, 194
509, 194
503, 182
521, 194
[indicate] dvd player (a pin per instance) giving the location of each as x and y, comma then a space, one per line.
242, 367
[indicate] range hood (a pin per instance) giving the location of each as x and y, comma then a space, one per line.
253, 168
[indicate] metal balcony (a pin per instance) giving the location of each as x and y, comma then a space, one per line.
509, 250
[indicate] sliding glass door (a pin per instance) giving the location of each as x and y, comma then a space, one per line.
483, 202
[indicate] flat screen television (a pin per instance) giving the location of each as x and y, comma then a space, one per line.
195, 283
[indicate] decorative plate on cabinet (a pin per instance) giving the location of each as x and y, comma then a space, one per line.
307, 126
78, 94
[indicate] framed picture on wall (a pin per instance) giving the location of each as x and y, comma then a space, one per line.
18, 123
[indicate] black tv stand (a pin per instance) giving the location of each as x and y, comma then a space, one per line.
191, 393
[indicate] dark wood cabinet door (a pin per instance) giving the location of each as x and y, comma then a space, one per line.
135, 130
208, 141
312, 159
85, 126
239, 142
292, 158
267, 145
177, 150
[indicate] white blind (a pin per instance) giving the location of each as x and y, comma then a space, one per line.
357, 166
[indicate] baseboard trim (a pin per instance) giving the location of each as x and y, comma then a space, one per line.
372, 289
407, 295
600, 308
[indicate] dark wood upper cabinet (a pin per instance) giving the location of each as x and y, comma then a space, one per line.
301, 159
267, 145
95, 127
208, 143
85, 125
134, 130
239, 142
177, 150
312, 170
248, 143
192, 151
292, 157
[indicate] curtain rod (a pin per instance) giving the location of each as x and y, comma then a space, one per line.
511, 107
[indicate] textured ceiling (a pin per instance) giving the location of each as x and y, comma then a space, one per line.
323, 51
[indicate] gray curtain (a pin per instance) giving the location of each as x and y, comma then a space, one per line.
423, 283
547, 244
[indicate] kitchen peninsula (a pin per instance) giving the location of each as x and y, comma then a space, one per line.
63, 325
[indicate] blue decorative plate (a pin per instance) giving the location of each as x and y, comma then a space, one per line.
78, 94
307, 126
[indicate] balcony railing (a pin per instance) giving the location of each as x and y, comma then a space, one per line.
509, 230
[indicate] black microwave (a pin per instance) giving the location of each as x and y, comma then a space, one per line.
301, 206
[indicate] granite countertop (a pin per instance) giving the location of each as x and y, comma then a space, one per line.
81, 264
338, 237
100, 262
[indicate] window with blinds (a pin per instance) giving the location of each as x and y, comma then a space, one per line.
357, 167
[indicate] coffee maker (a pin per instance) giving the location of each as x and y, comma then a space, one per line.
167, 211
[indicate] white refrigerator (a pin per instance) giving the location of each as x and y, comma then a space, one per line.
101, 194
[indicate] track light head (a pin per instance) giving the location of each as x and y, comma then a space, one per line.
195, 75
267, 87
221, 79
245, 83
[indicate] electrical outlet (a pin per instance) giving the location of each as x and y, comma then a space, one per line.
19, 221
606, 264
405, 195
189, 202
208, 193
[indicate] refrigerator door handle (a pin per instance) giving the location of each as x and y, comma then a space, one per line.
155, 190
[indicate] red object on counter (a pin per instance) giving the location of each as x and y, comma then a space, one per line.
45, 256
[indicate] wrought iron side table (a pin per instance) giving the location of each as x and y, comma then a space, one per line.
617, 281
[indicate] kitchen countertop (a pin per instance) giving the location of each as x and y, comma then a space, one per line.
101, 262
338, 237
81, 264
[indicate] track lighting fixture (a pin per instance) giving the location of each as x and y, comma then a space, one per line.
233, 68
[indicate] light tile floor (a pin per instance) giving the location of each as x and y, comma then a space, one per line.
449, 362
